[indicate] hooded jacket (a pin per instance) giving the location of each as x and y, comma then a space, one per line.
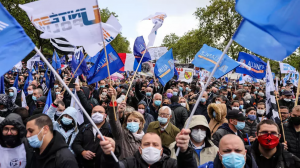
15, 94
208, 153
55, 155
221, 112
224, 130
181, 114
148, 117
16, 121
9, 105
71, 111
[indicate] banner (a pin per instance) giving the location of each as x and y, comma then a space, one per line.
156, 53
33, 59
286, 68
185, 74
147, 69
257, 66
75, 20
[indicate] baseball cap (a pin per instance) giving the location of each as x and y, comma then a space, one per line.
236, 114
287, 93
42, 99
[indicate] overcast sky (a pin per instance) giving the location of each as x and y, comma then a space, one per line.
180, 18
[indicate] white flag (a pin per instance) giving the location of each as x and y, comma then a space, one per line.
271, 105
23, 99
18, 65
31, 61
77, 21
80, 119
156, 53
157, 19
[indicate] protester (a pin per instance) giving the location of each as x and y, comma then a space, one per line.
180, 112
163, 127
142, 108
200, 140
202, 107
285, 114
217, 114
250, 125
6, 105
287, 100
50, 148
261, 112
154, 107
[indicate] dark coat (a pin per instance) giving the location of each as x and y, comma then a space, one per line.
292, 137
202, 110
181, 114
31, 104
184, 160
55, 155
290, 104
250, 128
224, 129
85, 140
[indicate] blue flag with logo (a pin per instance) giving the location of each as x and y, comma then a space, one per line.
28, 82
92, 59
164, 68
207, 58
258, 66
176, 73
63, 60
99, 70
56, 61
139, 49
14, 43
16, 82
83, 69
42, 64
48, 102
270, 27
2, 87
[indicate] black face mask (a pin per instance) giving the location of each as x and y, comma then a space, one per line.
11, 140
165, 104
295, 120
143, 92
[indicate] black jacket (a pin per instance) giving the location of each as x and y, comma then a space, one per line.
31, 104
86, 103
290, 104
284, 159
85, 140
250, 128
55, 155
181, 114
202, 110
224, 130
184, 160
292, 137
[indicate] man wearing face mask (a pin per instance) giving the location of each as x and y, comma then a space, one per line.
250, 125
163, 127
202, 107
180, 112
86, 144
236, 122
14, 146
6, 106
292, 131
40, 104
150, 153
200, 140
154, 107
287, 100
144, 95
37, 93
261, 111
50, 148
60, 109
267, 151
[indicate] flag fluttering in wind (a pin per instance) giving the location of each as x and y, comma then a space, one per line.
157, 19
23, 99
129, 61
164, 68
2, 86
28, 82
16, 82
77, 58
139, 49
73, 103
56, 61
270, 27
48, 102
62, 44
32, 60
14, 43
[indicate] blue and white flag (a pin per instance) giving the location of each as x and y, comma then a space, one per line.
56, 61
270, 27
2, 86
164, 68
139, 49
16, 82
99, 70
286, 78
28, 82
76, 59
63, 60
14, 43
207, 58
42, 64
257, 66
286, 68
48, 102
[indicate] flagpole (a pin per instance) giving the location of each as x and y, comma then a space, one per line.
280, 117
297, 94
205, 86
73, 96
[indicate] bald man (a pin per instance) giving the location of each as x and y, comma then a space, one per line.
86, 145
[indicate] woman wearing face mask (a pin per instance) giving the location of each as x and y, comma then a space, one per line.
66, 124
217, 114
129, 135
142, 108
200, 140
235, 105
184, 103
13, 95
250, 125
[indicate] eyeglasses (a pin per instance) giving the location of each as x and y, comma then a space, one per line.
12, 130
164, 115
266, 132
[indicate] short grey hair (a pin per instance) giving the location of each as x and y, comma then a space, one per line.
129, 109
165, 107
156, 94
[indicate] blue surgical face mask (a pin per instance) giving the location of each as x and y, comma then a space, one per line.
157, 102
187, 88
282, 90
11, 94
175, 93
133, 127
66, 121
148, 94
102, 86
55, 86
251, 117
180, 89
230, 86
233, 160
240, 125
256, 88
34, 140
202, 99
233, 96
57, 93
214, 114
34, 98
255, 92
162, 120
42, 76
241, 106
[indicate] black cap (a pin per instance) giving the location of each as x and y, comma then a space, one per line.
236, 114
42, 99
287, 93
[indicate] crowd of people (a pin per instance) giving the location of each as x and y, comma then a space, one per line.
230, 127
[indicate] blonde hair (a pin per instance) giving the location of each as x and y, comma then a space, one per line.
137, 115
186, 103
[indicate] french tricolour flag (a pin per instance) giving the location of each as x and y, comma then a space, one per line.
129, 61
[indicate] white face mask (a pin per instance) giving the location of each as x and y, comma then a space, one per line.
260, 112
97, 118
183, 104
235, 108
151, 155
198, 135
218, 102
30, 92
58, 113
104, 93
